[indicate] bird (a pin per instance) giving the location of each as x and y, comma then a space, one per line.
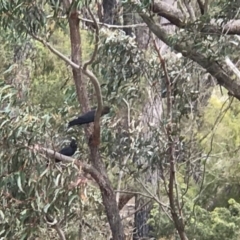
69, 150
88, 117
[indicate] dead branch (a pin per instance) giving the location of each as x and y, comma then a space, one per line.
232, 67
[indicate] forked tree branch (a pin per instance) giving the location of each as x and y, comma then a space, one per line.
87, 72
55, 51
87, 168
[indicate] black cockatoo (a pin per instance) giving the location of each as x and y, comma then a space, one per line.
69, 150
87, 117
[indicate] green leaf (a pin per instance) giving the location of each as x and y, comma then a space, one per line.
71, 199
46, 207
19, 183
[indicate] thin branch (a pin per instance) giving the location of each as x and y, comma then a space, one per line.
114, 26
168, 82
54, 224
162, 205
85, 167
128, 108
95, 82
146, 196
59, 231
206, 6
139, 209
88, 73
104, 24
55, 51
232, 66
90, 61
173, 200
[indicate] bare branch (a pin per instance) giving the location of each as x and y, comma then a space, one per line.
104, 24
85, 167
90, 61
95, 82
59, 231
232, 67
114, 26
88, 73
172, 195
128, 108
55, 51
168, 82
150, 196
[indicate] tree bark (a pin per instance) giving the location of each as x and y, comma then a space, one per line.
108, 194
141, 217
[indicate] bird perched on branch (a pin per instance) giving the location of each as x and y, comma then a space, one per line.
88, 117
69, 150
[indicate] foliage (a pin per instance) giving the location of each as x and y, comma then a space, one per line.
201, 224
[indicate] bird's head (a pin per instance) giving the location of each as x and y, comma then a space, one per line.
73, 144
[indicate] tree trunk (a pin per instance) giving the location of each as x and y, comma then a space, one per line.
108, 194
141, 227
127, 19
109, 7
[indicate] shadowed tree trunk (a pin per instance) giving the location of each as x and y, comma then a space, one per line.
142, 228
128, 17
109, 7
